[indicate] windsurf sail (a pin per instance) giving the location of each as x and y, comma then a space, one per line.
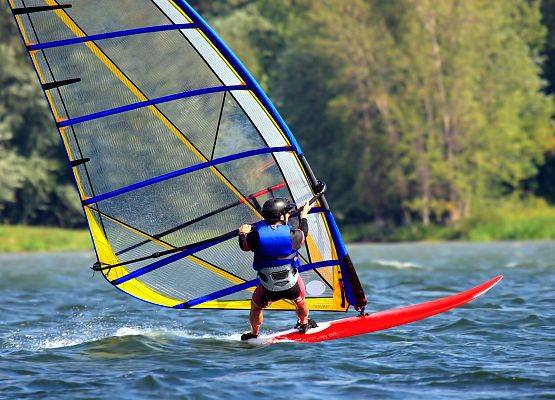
173, 145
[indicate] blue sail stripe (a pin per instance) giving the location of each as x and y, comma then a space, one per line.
146, 103
109, 35
246, 285
184, 171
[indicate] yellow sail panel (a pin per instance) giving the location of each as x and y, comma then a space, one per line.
314, 304
106, 256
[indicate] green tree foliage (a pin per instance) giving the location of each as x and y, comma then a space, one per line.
249, 34
412, 110
544, 183
11, 164
215, 8
439, 104
35, 184
548, 18
487, 120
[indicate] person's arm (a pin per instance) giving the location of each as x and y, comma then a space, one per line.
244, 230
299, 235
248, 239
303, 226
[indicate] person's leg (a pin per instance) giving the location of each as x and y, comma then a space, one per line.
302, 311
300, 303
255, 318
258, 303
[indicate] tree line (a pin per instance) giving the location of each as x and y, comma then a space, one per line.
413, 111
35, 182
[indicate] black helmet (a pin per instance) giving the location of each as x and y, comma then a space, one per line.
273, 209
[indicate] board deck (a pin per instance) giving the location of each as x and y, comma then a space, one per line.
353, 326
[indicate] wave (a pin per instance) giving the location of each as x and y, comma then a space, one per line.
83, 336
63, 341
525, 264
179, 333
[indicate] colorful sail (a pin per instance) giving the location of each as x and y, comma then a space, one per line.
173, 145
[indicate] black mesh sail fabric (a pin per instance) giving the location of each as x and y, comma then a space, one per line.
172, 145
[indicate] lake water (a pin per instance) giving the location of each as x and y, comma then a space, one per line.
67, 334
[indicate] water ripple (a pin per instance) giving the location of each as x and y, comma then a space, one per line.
94, 342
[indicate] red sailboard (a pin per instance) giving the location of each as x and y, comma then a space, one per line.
347, 327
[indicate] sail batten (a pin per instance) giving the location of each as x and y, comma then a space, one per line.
151, 102
173, 145
109, 35
31, 10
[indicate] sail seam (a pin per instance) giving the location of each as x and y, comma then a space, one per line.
32, 10
218, 127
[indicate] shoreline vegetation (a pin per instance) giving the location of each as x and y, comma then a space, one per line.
530, 220
28, 239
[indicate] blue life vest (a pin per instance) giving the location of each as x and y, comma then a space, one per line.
275, 259
275, 247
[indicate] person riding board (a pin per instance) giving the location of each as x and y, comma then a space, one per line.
275, 245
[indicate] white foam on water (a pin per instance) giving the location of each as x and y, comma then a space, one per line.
397, 264
232, 337
58, 343
44, 341
525, 264
79, 329
131, 331
77, 335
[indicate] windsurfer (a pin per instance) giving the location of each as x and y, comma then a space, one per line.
275, 245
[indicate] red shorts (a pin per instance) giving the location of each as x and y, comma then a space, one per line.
263, 297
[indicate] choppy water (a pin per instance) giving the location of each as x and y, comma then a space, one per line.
66, 334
